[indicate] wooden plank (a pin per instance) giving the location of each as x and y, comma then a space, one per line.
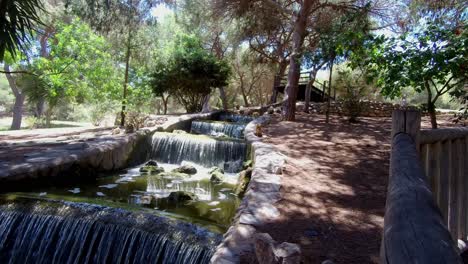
444, 186
462, 188
434, 170
425, 148
465, 175
453, 190
433, 135
414, 231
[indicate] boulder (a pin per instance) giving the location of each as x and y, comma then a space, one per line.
243, 181
268, 251
187, 169
181, 196
151, 169
215, 169
151, 163
217, 177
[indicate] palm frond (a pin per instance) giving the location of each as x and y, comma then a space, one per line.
18, 19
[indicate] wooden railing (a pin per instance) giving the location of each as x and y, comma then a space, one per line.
415, 230
304, 79
444, 158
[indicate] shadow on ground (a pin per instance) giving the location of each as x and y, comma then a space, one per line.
333, 187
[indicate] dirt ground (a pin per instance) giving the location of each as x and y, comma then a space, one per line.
333, 187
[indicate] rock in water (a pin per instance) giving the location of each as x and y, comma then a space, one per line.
151, 169
217, 175
215, 169
243, 182
181, 196
151, 163
187, 169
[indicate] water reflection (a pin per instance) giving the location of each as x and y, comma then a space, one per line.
216, 203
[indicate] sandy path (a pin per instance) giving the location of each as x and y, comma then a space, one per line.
333, 187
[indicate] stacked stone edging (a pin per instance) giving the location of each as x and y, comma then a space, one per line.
89, 157
257, 206
184, 122
369, 108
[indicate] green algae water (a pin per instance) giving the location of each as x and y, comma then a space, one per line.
214, 207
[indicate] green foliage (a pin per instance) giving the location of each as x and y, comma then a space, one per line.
431, 59
17, 21
189, 74
434, 57
352, 87
6, 96
79, 69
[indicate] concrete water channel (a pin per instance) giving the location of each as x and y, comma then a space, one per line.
95, 200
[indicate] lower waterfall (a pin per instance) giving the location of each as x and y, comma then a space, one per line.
44, 232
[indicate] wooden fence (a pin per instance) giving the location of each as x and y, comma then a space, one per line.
427, 193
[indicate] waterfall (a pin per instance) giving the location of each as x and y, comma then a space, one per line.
204, 150
54, 232
236, 118
214, 128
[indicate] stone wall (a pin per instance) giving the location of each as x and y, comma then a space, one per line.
369, 108
80, 160
241, 241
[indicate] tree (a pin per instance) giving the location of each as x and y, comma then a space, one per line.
217, 36
248, 75
19, 97
122, 20
432, 59
79, 67
190, 74
18, 19
303, 15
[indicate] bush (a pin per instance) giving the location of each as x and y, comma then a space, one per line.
353, 89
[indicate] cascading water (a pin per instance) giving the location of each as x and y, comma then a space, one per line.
54, 232
236, 118
216, 128
206, 151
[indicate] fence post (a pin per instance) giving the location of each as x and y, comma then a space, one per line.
409, 122
414, 231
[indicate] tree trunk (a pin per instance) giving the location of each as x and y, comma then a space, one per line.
206, 104
127, 66
165, 102
300, 25
40, 105
277, 82
244, 96
49, 117
17, 112
432, 114
222, 94
19, 99
308, 90
327, 115
431, 106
